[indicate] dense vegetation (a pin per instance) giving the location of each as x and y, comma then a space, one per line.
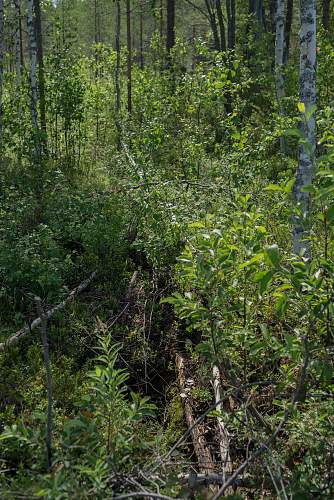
166, 179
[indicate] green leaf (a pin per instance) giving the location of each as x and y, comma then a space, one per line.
301, 107
330, 213
272, 253
264, 278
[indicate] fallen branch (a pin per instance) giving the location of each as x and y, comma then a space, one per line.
48, 314
205, 461
224, 438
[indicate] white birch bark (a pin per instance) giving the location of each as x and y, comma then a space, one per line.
33, 65
1, 64
308, 95
279, 59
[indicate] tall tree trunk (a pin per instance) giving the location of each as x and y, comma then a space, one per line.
40, 60
170, 42
161, 20
141, 35
230, 11
221, 25
279, 63
288, 24
129, 54
1, 66
33, 66
308, 95
117, 73
326, 14
18, 44
213, 23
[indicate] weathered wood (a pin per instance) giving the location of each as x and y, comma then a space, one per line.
205, 461
14, 339
224, 438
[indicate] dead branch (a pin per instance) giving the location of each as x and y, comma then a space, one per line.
205, 461
224, 438
48, 314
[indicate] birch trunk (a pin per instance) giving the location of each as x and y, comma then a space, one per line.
33, 65
308, 95
279, 60
1, 66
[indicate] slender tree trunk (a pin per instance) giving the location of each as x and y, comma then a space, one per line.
33, 66
170, 42
221, 25
41, 77
18, 43
161, 20
213, 24
230, 12
117, 72
288, 24
141, 36
308, 95
279, 63
2, 48
129, 54
326, 14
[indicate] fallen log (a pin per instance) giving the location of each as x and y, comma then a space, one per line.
202, 451
14, 339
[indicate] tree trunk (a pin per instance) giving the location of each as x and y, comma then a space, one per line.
288, 24
18, 44
326, 14
221, 25
41, 77
1, 66
141, 36
279, 64
33, 65
170, 42
117, 73
213, 24
305, 170
129, 54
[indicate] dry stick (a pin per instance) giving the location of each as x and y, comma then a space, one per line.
28, 328
43, 326
265, 446
224, 441
205, 461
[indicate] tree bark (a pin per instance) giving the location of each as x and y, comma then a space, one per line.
221, 25
213, 24
41, 77
279, 63
170, 41
308, 96
18, 44
117, 74
129, 54
33, 65
141, 35
1, 66
326, 14
288, 25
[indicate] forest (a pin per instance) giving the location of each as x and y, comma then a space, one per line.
166, 249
